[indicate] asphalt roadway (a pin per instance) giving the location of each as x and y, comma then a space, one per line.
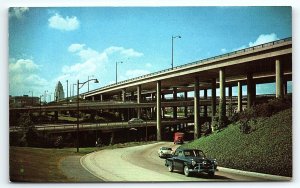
142, 164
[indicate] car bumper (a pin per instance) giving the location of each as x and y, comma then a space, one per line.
199, 169
165, 155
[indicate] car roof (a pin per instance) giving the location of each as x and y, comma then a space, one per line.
188, 149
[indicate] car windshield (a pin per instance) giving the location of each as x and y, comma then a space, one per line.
194, 153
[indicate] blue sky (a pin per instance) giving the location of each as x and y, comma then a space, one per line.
47, 45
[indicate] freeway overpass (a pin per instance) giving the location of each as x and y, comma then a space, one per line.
266, 63
270, 62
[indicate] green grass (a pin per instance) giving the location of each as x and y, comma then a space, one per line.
267, 149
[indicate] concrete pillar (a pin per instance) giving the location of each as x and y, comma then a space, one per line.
197, 128
250, 91
185, 107
205, 106
93, 98
240, 97
213, 97
112, 138
279, 79
230, 106
139, 97
101, 97
222, 102
123, 95
152, 96
158, 110
285, 91
132, 96
174, 98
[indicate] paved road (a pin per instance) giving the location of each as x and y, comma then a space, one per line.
141, 163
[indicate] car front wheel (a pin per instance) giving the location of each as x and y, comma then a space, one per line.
186, 171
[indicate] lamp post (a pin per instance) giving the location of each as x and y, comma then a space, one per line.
80, 85
89, 82
117, 70
173, 37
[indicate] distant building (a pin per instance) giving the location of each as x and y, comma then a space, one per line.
22, 101
59, 92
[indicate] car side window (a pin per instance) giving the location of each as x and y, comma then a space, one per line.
180, 154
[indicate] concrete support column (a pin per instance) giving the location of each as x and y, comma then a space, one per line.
93, 98
279, 79
152, 96
205, 106
185, 107
240, 97
139, 98
158, 110
213, 97
230, 107
196, 109
101, 97
123, 95
285, 91
175, 98
250, 91
222, 102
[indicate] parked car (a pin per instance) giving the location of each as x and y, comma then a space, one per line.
164, 152
191, 161
135, 120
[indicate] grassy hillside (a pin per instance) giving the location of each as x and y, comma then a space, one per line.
267, 148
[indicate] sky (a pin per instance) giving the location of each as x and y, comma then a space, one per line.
47, 45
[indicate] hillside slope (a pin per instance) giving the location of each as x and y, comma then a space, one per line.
266, 149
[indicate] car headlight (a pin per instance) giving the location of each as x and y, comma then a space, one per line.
215, 162
194, 163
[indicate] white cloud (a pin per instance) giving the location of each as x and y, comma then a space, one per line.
148, 65
261, 39
64, 24
23, 77
131, 53
75, 47
136, 73
18, 12
223, 50
264, 38
123, 51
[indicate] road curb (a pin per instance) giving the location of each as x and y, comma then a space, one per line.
255, 174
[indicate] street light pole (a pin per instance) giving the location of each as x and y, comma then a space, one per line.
77, 116
173, 47
117, 70
78, 87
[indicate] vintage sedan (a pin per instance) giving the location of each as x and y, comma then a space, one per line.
165, 152
191, 161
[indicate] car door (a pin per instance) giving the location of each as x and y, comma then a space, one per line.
178, 163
